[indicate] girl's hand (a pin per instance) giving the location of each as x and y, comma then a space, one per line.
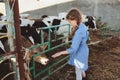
56, 55
59, 54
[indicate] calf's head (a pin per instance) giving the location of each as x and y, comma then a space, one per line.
40, 58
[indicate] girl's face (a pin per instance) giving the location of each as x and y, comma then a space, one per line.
73, 23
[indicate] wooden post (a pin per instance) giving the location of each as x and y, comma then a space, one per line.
18, 38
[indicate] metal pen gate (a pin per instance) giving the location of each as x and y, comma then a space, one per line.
48, 69
108, 32
13, 31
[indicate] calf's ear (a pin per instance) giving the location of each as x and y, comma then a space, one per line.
44, 47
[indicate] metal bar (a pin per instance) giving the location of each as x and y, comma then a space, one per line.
49, 38
3, 0
6, 56
18, 39
5, 22
49, 49
3, 34
54, 26
9, 26
11, 32
42, 36
44, 78
43, 71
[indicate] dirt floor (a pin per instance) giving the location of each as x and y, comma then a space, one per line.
104, 60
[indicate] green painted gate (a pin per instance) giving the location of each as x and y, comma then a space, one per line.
50, 69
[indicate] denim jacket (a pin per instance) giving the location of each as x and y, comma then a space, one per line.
79, 50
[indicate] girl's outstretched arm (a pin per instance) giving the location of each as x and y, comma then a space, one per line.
59, 53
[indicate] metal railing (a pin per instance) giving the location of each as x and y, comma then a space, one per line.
108, 32
13, 62
48, 69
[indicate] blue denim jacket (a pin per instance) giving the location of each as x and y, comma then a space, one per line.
79, 51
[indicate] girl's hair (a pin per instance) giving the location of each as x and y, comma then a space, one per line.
75, 14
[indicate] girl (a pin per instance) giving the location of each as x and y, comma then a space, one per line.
79, 49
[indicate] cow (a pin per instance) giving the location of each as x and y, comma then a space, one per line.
24, 16
57, 20
89, 21
62, 15
64, 30
28, 54
2, 51
31, 27
26, 31
47, 21
44, 21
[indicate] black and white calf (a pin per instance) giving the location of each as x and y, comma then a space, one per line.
2, 51
89, 21
56, 20
32, 27
27, 30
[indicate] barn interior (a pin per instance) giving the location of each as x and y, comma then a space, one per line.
104, 43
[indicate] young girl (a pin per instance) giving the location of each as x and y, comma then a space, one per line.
78, 51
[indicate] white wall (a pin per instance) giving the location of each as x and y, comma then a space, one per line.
108, 10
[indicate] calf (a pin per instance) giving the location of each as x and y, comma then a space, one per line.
24, 16
64, 30
47, 21
89, 22
1, 51
52, 21
26, 30
28, 53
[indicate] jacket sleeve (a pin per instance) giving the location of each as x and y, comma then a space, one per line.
75, 42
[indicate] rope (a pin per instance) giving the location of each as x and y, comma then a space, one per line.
10, 28
1, 61
11, 10
8, 33
3, 35
8, 75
